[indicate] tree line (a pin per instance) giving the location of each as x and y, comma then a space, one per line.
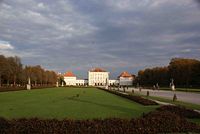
13, 73
184, 72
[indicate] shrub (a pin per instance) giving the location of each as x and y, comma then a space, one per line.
154, 122
167, 122
137, 99
181, 111
6, 89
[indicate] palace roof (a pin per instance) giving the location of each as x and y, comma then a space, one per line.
125, 74
97, 70
69, 74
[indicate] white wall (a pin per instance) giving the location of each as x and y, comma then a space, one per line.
98, 78
81, 82
113, 82
124, 81
70, 81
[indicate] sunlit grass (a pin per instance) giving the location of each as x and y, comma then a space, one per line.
74, 103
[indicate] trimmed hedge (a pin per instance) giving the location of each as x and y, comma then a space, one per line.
155, 122
137, 99
6, 89
181, 111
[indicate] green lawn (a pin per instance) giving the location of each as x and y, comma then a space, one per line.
63, 103
185, 104
180, 103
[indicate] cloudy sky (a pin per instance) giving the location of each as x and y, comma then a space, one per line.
118, 35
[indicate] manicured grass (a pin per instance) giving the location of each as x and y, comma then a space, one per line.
185, 104
73, 103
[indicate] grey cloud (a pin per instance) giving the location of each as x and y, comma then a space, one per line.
115, 34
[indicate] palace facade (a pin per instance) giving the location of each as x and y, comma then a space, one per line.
98, 77
126, 79
71, 80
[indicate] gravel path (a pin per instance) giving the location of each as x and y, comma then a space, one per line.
182, 96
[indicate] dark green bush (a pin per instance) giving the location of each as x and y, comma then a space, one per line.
181, 111
152, 123
137, 99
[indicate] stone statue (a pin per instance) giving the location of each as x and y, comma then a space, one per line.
28, 86
107, 83
172, 85
57, 84
157, 86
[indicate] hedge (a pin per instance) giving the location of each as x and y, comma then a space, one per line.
154, 122
6, 89
137, 99
181, 111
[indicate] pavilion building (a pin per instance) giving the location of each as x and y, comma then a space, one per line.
126, 79
70, 79
98, 77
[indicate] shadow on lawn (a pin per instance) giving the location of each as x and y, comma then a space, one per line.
112, 107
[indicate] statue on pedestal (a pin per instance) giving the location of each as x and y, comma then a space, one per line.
57, 84
28, 86
172, 85
107, 83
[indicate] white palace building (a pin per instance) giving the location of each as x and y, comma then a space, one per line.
98, 77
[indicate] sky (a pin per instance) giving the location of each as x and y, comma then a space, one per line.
117, 35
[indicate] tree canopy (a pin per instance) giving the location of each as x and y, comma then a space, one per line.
13, 73
184, 72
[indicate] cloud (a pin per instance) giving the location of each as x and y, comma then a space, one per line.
41, 5
121, 34
198, 1
186, 50
5, 45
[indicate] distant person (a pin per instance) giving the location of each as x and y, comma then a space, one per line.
140, 89
173, 87
157, 86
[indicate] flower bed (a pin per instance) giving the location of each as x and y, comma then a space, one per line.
137, 99
181, 111
155, 122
